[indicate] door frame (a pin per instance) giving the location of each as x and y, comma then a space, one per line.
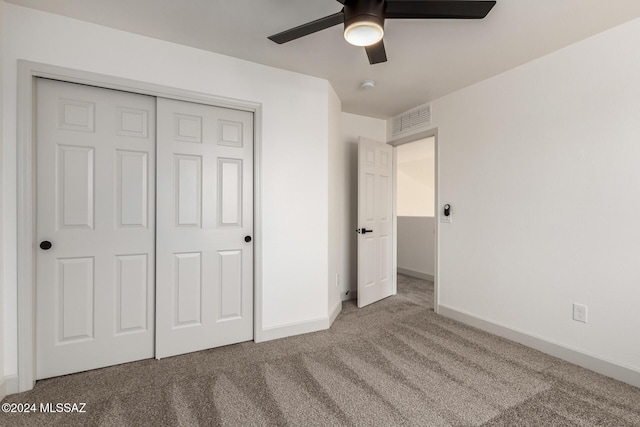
406, 140
26, 189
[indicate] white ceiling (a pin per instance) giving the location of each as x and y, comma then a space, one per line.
427, 58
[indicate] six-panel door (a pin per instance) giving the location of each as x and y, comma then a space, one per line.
205, 211
375, 203
95, 205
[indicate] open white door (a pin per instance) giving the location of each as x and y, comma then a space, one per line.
375, 240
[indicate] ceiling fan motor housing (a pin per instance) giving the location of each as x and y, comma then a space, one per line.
364, 10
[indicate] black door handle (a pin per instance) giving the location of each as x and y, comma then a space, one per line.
247, 239
45, 245
363, 231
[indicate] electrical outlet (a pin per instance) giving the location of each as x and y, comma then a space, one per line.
580, 313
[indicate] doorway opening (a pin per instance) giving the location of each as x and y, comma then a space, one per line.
415, 212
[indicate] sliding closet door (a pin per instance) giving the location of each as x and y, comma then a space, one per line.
204, 227
95, 227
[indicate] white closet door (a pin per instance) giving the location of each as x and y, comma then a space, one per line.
95, 205
375, 204
205, 223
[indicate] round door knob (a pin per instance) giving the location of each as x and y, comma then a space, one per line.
247, 239
45, 245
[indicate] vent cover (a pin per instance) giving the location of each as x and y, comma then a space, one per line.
412, 119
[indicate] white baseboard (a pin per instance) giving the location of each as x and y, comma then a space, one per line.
290, 329
334, 312
298, 328
8, 385
416, 274
578, 357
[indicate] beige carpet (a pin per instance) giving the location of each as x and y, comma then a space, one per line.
394, 363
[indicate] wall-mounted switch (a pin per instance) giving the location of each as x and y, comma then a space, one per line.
580, 313
445, 215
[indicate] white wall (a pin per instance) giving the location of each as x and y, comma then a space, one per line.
416, 178
2, 299
416, 246
540, 165
353, 126
337, 249
294, 147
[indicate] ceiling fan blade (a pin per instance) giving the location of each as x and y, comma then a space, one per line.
341, 1
438, 9
308, 28
376, 53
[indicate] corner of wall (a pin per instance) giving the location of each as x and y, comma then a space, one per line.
2, 308
8, 385
336, 186
333, 313
294, 328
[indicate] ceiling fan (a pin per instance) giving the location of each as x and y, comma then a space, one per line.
364, 20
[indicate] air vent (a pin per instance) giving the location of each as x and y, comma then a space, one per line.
412, 119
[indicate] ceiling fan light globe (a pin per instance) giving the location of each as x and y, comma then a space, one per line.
363, 33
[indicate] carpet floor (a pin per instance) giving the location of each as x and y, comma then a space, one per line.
394, 363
